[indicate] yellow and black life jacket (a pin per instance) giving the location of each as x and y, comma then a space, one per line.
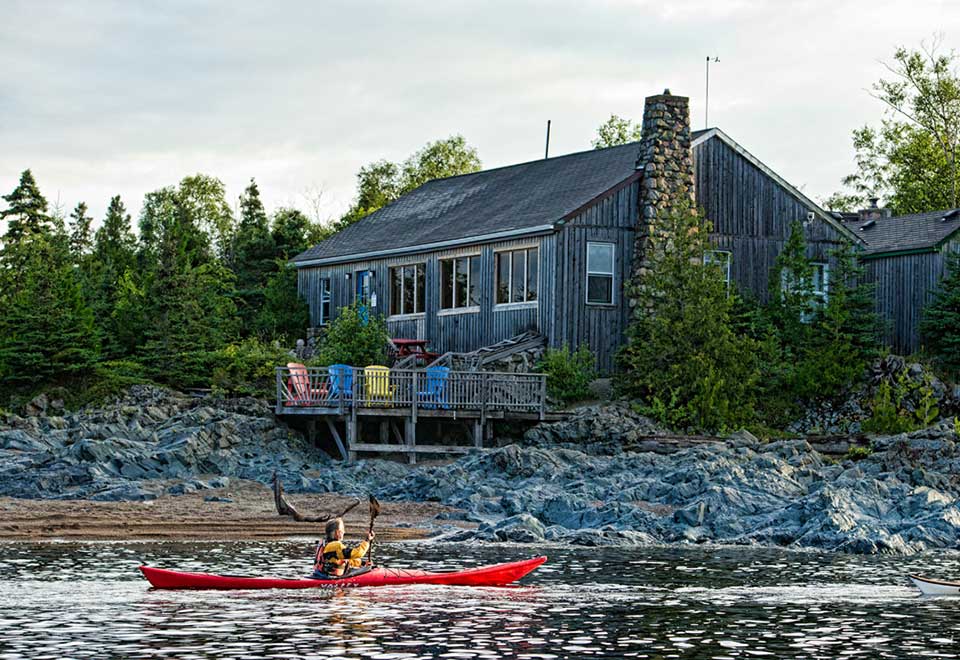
335, 557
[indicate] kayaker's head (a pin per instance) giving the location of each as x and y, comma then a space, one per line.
334, 530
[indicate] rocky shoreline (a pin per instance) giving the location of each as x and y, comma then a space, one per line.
600, 478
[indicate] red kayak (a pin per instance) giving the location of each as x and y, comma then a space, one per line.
486, 576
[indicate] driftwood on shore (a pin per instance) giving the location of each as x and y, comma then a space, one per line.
284, 508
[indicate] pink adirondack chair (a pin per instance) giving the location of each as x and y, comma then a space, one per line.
299, 392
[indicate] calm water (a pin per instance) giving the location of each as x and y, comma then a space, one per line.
87, 600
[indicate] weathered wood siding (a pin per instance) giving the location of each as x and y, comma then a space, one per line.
751, 215
445, 330
612, 219
904, 285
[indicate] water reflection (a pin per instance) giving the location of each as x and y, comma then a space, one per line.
87, 600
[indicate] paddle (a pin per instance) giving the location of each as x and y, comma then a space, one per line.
374, 512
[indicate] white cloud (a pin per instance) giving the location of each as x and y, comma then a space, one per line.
123, 98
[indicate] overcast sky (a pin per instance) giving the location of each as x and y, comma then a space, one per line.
105, 98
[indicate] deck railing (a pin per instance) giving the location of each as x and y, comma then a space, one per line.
417, 389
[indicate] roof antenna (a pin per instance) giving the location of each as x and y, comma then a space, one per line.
706, 103
546, 152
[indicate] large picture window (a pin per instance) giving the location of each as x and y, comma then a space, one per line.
407, 289
600, 258
518, 275
460, 282
324, 301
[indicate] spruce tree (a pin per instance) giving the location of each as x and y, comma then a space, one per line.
81, 236
284, 314
188, 294
253, 254
26, 211
682, 357
46, 327
113, 258
940, 327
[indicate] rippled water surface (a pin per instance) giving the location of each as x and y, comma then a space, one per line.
87, 600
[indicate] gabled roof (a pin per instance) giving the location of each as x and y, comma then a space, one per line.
702, 136
506, 201
919, 231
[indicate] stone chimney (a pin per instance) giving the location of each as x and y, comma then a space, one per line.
666, 185
873, 212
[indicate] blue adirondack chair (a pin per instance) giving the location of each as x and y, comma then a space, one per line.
341, 381
435, 394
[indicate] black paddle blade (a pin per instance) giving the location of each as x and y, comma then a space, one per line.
374, 507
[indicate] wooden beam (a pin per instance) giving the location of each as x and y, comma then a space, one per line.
419, 449
336, 438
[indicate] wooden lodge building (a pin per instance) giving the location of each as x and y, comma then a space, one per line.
470, 260
544, 249
905, 258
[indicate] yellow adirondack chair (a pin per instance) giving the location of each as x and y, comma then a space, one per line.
378, 390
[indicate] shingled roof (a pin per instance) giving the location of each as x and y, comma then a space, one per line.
512, 200
906, 232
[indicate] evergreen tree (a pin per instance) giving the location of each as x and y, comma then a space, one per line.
682, 356
253, 254
81, 236
284, 314
46, 327
26, 211
291, 233
189, 301
113, 259
940, 327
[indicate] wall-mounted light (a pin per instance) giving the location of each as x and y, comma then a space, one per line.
348, 276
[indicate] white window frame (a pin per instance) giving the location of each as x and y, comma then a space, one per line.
515, 304
325, 298
709, 257
824, 292
612, 274
467, 309
400, 267
821, 295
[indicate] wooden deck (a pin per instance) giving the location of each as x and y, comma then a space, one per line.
396, 400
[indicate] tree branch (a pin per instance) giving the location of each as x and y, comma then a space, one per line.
284, 508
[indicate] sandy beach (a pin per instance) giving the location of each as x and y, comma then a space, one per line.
250, 515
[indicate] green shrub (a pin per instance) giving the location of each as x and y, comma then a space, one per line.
891, 411
858, 452
248, 368
568, 373
352, 340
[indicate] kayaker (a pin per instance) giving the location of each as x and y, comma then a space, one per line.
335, 557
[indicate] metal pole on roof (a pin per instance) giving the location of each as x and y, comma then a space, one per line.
706, 102
546, 152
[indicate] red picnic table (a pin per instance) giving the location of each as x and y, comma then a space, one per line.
418, 347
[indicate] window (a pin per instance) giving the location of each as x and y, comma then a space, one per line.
518, 275
599, 273
407, 289
460, 282
821, 281
722, 259
324, 301
819, 287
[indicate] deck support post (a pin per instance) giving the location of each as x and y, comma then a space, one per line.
478, 434
351, 438
489, 434
384, 431
396, 433
312, 431
410, 438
